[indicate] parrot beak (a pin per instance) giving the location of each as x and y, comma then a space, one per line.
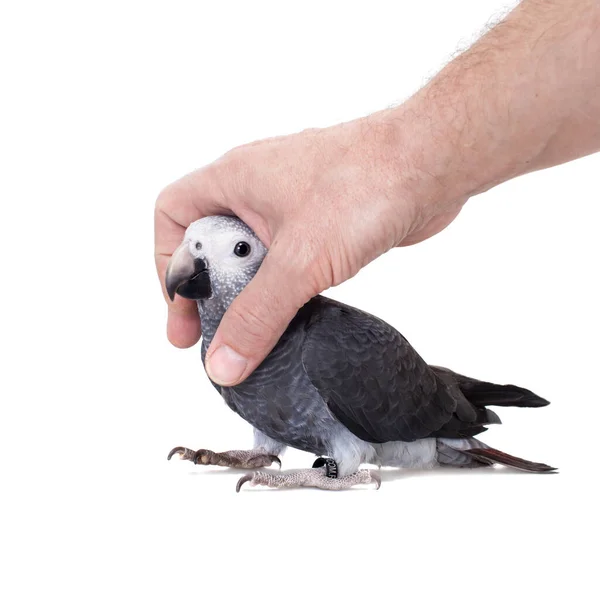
187, 276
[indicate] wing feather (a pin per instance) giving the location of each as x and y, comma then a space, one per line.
371, 378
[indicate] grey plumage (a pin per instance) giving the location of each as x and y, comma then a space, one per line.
343, 383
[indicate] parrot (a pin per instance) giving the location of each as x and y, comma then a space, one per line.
340, 383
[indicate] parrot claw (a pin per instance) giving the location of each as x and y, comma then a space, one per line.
376, 479
184, 453
176, 450
243, 480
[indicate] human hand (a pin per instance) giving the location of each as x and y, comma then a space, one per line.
325, 202
328, 201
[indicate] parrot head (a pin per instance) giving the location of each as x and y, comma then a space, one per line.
218, 257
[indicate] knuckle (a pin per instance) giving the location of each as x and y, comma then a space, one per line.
235, 161
232, 175
169, 197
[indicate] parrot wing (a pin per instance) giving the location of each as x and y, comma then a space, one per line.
375, 383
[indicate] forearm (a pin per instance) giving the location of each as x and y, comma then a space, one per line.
526, 96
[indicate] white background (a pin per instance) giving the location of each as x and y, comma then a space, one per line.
102, 105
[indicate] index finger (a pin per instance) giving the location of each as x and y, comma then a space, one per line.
181, 203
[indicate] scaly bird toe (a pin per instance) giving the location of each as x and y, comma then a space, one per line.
316, 478
237, 459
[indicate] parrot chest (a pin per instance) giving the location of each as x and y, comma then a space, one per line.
285, 407
279, 400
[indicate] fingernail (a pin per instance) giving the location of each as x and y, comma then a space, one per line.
225, 366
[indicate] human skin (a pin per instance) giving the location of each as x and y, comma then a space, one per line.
326, 202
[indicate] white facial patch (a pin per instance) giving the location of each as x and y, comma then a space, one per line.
214, 240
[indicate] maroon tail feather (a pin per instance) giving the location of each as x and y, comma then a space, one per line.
491, 455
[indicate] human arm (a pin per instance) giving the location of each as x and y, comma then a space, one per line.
327, 202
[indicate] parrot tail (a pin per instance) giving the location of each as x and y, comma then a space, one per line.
491, 456
482, 393
470, 452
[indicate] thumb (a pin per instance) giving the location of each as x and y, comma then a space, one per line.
258, 317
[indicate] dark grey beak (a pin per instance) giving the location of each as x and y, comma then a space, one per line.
187, 276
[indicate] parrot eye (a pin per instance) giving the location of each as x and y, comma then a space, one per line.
242, 249
198, 246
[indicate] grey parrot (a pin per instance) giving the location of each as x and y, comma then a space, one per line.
340, 383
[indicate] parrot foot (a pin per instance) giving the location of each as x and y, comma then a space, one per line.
316, 478
238, 459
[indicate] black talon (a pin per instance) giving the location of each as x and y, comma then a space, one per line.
177, 450
275, 459
377, 479
243, 480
